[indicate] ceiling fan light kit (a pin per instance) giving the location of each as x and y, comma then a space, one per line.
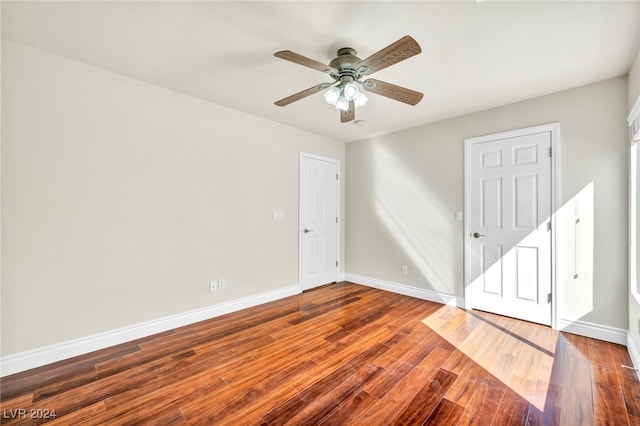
340, 96
346, 69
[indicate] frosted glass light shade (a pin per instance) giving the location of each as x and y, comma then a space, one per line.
361, 100
332, 95
342, 103
350, 91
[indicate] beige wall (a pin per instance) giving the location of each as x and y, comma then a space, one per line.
122, 200
403, 190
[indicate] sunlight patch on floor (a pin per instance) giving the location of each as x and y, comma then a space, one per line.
518, 353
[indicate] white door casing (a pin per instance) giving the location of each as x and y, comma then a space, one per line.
509, 231
319, 217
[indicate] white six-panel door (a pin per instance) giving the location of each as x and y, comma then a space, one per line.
319, 186
508, 192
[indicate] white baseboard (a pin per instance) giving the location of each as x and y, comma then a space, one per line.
22, 361
420, 293
634, 353
595, 331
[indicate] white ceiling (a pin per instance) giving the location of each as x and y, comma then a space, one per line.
474, 55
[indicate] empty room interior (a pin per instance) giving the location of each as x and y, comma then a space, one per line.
292, 212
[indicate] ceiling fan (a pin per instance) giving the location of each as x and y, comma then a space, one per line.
346, 69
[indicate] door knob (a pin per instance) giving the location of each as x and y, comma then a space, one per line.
307, 230
477, 235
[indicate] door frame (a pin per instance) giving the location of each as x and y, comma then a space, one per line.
301, 197
554, 129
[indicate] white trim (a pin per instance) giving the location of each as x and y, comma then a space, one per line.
634, 353
554, 129
595, 331
339, 275
634, 120
46, 355
635, 112
555, 206
420, 293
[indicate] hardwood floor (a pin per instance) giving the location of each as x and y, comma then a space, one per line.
341, 354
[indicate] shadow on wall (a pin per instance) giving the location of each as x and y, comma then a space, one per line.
415, 218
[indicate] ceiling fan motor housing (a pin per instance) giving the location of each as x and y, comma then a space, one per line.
346, 63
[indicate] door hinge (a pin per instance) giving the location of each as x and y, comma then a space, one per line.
337, 177
549, 226
549, 298
336, 263
550, 152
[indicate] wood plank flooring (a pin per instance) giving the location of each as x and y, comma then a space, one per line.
343, 354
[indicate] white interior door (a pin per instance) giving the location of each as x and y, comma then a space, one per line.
319, 195
508, 241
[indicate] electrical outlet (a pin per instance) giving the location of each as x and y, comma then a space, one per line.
638, 325
404, 269
213, 286
221, 284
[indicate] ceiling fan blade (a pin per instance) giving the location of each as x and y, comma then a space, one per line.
294, 57
303, 94
398, 51
392, 91
350, 114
